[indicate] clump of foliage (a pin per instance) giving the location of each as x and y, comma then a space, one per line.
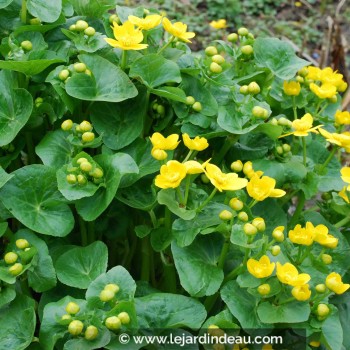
145, 188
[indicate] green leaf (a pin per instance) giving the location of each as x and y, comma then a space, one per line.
197, 265
120, 123
239, 238
223, 320
117, 275
107, 83
54, 149
31, 67
7, 294
15, 107
33, 199
172, 310
4, 177
278, 56
154, 70
80, 343
167, 197
92, 8
332, 331
79, 266
293, 312
41, 275
45, 10
171, 93
51, 330
161, 238
5, 3
18, 330
242, 305
91, 207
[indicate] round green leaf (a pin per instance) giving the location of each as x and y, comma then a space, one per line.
80, 266
46, 10
107, 83
118, 275
33, 199
18, 326
197, 265
15, 108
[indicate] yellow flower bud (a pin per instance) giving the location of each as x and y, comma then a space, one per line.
90, 31
320, 288
106, 295
243, 31
113, 287
237, 166
315, 343
286, 147
225, 215
81, 25
91, 333
323, 310
211, 51
10, 258
88, 136
247, 50
26, 45
85, 126
97, 173
243, 216
72, 27
124, 317
277, 234
233, 37
190, 100
264, 289
81, 160
79, 67
301, 293
72, 308
253, 88
197, 106
71, 179
113, 323
66, 317
16, 269
327, 259
275, 250
244, 89
75, 327
259, 223
215, 68
86, 166
22, 243
218, 59
236, 204
159, 154
250, 229
63, 75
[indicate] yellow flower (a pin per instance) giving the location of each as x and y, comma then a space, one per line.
328, 76
343, 194
341, 140
324, 91
261, 188
345, 172
298, 4
343, 86
178, 29
147, 23
301, 235
324, 238
222, 181
262, 268
196, 144
164, 143
291, 88
301, 293
193, 167
342, 118
171, 174
335, 283
303, 126
219, 24
288, 274
127, 37
314, 73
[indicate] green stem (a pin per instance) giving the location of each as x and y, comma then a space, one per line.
252, 203
286, 301
153, 218
230, 140
207, 200
298, 210
124, 59
321, 253
147, 121
180, 196
146, 259
187, 188
24, 12
189, 154
329, 158
83, 231
91, 231
304, 150
234, 273
295, 114
166, 45
30, 148
342, 222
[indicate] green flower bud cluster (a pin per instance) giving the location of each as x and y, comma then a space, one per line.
196, 105
82, 130
252, 89
84, 171
76, 326
14, 258
216, 64
260, 112
283, 150
284, 122
115, 322
83, 27
109, 292
65, 74
158, 110
257, 225
26, 45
